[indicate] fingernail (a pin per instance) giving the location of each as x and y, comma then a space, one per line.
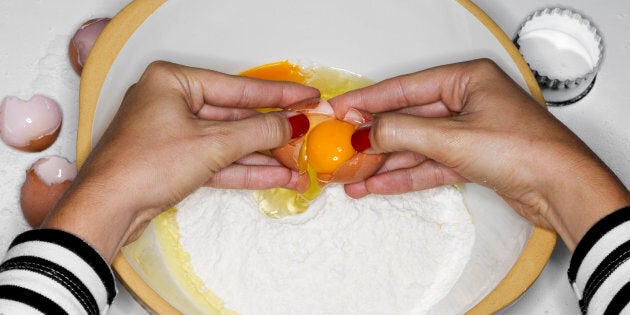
361, 138
299, 125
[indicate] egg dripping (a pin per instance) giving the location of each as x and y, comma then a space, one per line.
325, 154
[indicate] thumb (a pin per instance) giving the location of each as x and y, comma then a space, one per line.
262, 132
435, 138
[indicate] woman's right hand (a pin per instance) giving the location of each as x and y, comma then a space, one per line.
469, 122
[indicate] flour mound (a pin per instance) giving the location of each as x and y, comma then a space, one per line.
376, 255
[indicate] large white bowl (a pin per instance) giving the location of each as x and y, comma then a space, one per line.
376, 39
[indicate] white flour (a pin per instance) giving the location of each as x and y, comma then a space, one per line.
50, 75
377, 255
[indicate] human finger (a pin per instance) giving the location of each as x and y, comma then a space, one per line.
435, 138
237, 176
225, 113
402, 159
229, 141
259, 159
439, 85
428, 174
437, 109
257, 171
206, 87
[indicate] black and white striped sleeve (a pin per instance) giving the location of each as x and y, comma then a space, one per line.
600, 267
54, 272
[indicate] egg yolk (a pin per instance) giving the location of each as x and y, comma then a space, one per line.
276, 71
328, 145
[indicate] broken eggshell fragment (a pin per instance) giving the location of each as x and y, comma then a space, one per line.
46, 180
83, 41
32, 125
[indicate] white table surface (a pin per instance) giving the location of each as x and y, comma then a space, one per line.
34, 35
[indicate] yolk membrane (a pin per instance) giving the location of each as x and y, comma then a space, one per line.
328, 145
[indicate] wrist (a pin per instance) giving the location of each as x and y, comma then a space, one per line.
578, 201
94, 215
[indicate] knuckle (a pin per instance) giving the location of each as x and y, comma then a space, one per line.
385, 132
485, 63
222, 146
275, 127
156, 70
438, 176
156, 67
486, 66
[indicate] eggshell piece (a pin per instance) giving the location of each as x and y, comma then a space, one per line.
288, 154
46, 180
358, 168
32, 125
83, 41
313, 106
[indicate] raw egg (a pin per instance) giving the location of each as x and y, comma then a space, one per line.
83, 40
46, 180
326, 147
31, 125
325, 153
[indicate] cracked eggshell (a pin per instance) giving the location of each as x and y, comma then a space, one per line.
32, 125
46, 180
83, 41
357, 168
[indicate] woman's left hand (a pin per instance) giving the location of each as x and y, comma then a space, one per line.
177, 129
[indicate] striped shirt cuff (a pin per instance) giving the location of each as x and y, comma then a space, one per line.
599, 271
54, 272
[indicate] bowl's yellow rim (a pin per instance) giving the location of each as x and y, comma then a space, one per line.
529, 265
